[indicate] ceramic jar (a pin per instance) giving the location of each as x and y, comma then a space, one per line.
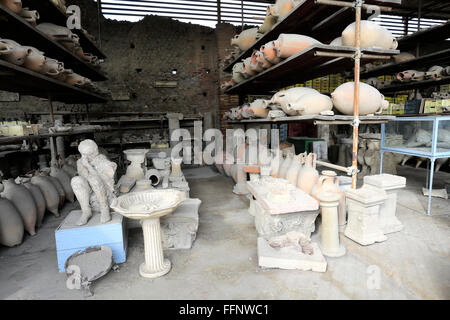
287, 98
59, 188
24, 202
13, 5
269, 22
308, 175
64, 180
31, 16
289, 44
63, 75
336, 42
52, 67
259, 108
50, 193
282, 8
285, 165
153, 176
269, 53
370, 99
248, 72
11, 225
39, 200
14, 53
238, 69
254, 64
373, 35
294, 169
259, 57
75, 79
329, 182
311, 103
35, 60
246, 38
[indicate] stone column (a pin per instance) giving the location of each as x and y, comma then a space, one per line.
330, 244
363, 215
388, 222
155, 265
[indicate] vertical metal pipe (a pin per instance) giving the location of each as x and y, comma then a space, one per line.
219, 15
358, 6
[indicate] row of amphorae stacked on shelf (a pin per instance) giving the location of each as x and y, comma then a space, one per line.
35, 60
25, 200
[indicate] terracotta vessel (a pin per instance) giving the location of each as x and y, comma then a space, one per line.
269, 52
370, 99
269, 22
248, 72
259, 108
308, 175
285, 165
283, 8
403, 57
294, 169
246, 38
63, 75
39, 200
76, 80
435, 72
373, 35
58, 33
311, 103
238, 69
410, 75
289, 44
59, 188
31, 16
254, 64
11, 225
52, 67
24, 202
64, 180
50, 193
13, 5
263, 63
336, 42
35, 60
286, 98
15, 54
329, 182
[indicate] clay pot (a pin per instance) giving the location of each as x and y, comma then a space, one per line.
329, 182
308, 175
246, 38
254, 65
63, 75
64, 180
248, 72
59, 188
435, 72
13, 5
294, 169
259, 108
311, 103
410, 75
269, 22
238, 69
24, 202
31, 16
285, 165
11, 224
75, 79
336, 42
263, 63
39, 200
372, 35
52, 67
370, 99
282, 8
403, 57
35, 60
15, 53
50, 193
287, 98
269, 52
58, 33
289, 44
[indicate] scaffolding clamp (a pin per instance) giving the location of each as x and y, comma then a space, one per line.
356, 122
352, 171
358, 3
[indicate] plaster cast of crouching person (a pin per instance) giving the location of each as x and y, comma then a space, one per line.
94, 185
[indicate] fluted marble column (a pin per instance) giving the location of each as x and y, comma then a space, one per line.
330, 243
155, 265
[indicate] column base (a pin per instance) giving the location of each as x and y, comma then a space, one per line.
144, 272
365, 239
338, 252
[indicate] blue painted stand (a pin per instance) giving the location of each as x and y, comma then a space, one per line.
71, 238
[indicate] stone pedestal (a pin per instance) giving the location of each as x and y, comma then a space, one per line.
290, 258
387, 221
363, 214
270, 225
330, 244
155, 265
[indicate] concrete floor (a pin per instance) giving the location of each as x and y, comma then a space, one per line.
411, 264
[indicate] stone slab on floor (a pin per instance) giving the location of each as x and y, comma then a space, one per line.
278, 196
290, 258
71, 238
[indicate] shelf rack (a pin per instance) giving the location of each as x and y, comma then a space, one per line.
49, 12
16, 28
312, 18
326, 60
319, 119
334, 60
430, 35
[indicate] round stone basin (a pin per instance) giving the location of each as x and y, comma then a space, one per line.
148, 204
136, 155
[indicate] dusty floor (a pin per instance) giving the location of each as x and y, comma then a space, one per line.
412, 264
